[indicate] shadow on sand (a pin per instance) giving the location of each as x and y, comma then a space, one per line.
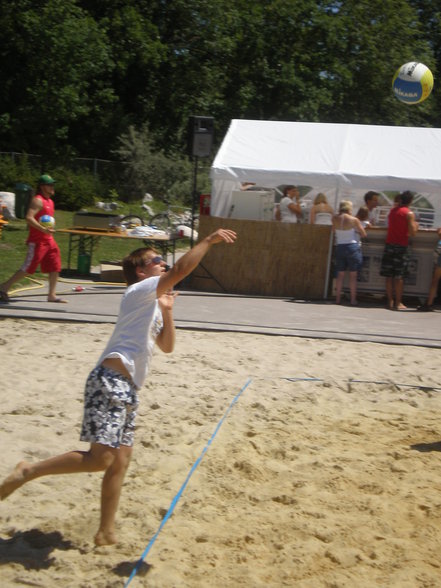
32, 549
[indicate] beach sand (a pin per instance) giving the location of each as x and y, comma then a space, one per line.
306, 479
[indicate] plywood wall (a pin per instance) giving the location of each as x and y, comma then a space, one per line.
268, 259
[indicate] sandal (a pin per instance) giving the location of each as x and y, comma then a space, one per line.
425, 308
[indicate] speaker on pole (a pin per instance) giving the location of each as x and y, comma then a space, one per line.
200, 135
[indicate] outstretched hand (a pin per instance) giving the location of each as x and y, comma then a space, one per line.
167, 300
225, 235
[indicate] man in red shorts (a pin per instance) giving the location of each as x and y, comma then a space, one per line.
43, 251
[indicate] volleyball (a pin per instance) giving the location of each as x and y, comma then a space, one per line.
412, 82
47, 221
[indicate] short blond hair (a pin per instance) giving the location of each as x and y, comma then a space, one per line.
345, 206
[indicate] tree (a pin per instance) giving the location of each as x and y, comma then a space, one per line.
57, 74
151, 170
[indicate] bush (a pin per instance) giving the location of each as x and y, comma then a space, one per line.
168, 177
16, 169
75, 190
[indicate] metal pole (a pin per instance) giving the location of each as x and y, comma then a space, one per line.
193, 207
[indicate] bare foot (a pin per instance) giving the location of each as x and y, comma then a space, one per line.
102, 538
401, 307
14, 480
56, 299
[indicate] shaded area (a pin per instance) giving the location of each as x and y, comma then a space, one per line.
125, 568
427, 447
32, 549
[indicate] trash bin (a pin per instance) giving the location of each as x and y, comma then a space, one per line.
83, 264
22, 197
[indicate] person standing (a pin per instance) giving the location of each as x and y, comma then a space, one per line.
371, 201
290, 209
395, 259
321, 211
111, 391
42, 250
347, 229
436, 276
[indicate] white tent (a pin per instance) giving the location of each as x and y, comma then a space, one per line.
342, 159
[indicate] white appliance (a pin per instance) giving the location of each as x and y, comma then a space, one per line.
252, 204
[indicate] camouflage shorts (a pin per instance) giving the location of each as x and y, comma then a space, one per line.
395, 261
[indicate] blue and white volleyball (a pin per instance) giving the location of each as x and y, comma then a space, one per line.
412, 82
47, 221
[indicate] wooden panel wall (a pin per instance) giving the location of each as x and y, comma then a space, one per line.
268, 259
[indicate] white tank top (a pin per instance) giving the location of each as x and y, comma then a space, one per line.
345, 237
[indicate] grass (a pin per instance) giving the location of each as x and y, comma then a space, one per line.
13, 244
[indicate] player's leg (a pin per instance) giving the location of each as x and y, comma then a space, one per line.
339, 286
51, 264
98, 458
29, 266
434, 286
110, 493
52, 293
390, 292
398, 283
6, 286
353, 286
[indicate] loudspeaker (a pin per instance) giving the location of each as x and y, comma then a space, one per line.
200, 135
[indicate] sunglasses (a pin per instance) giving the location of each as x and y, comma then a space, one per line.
155, 260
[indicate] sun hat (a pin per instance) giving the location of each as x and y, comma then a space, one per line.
46, 179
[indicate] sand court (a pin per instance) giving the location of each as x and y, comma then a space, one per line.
311, 480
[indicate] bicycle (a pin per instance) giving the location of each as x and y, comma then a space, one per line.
168, 220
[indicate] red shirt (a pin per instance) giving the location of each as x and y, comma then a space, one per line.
398, 226
36, 236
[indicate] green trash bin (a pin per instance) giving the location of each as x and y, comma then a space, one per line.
22, 198
83, 267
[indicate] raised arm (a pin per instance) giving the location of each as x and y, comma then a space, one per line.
188, 262
166, 338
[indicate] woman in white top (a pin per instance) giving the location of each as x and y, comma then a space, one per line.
348, 251
321, 211
290, 209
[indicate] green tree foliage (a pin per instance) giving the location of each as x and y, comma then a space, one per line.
56, 71
368, 41
82, 76
151, 170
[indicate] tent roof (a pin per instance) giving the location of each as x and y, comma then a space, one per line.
272, 153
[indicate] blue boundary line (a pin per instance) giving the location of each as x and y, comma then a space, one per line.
205, 449
184, 485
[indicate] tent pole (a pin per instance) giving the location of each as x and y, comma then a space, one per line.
330, 246
328, 264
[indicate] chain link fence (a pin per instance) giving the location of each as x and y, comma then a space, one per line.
112, 173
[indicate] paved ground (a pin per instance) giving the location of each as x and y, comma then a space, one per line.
218, 312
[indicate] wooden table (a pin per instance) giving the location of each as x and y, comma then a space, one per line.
84, 240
